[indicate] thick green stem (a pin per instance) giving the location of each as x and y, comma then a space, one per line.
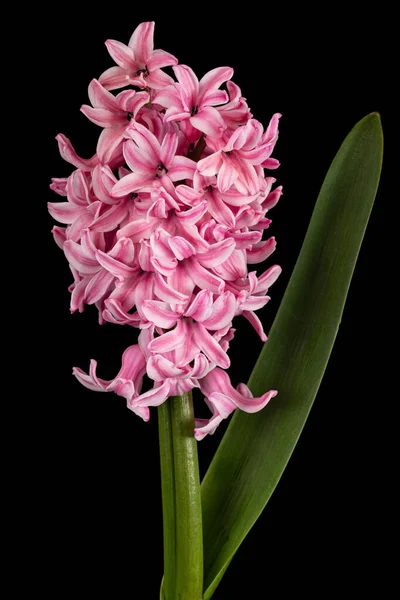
180, 482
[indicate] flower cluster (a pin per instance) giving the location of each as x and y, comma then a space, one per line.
163, 221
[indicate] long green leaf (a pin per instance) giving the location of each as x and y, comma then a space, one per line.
256, 448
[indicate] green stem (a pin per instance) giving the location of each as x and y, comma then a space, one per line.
180, 483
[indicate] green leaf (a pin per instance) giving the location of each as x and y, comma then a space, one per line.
180, 485
256, 448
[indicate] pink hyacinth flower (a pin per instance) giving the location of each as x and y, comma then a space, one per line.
138, 63
192, 102
149, 160
234, 160
114, 114
127, 383
162, 223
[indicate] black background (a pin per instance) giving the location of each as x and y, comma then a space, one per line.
92, 466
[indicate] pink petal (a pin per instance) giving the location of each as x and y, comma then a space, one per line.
168, 148
158, 80
181, 168
98, 286
168, 341
203, 278
180, 247
68, 153
210, 165
227, 175
169, 97
103, 180
234, 267
164, 265
189, 82
270, 163
212, 80
272, 129
261, 251
58, 185
235, 198
114, 313
79, 259
136, 230
59, 235
111, 218
147, 142
133, 364
272, 199
160, 59
179, 281
92, 382
101, 98
268, 278
217, 253
121, 54
167, 293
256, 323
222, 313
215, 97
130, 183
141, 41
137, 160
109, 145
103, 117
78, 295
201, 307
159, 314
131, 101
115, 267
254, 302
160, 368
188, 195
114, 78
64, 212
209, 121
219, 380
193, 214
220, 211
153, 397
210, 346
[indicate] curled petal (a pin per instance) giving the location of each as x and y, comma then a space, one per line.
64, 212
261, 251
166, 292
68, 154
159, 314
203, 278
217, 253
153, 397
169, 341
159, 368
91, 381
222, 313
209, 345
180, 247
219, 380
256, 323
201, 307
